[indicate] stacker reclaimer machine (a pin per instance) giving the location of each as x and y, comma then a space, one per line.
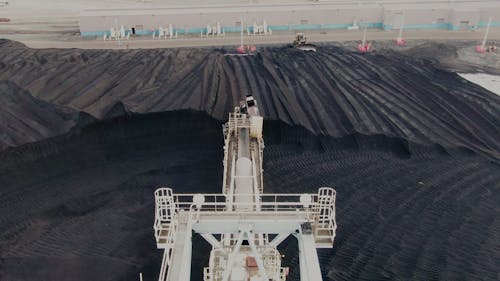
243, 224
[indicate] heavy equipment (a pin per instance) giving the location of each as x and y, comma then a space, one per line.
300, 43
243, 225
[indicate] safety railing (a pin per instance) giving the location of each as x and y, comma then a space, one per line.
165, 226
238, 120
219, 203
319, 209
164, 215
325, 226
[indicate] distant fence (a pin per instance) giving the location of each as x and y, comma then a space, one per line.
297, 27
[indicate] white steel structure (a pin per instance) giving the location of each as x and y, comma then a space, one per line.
243, 224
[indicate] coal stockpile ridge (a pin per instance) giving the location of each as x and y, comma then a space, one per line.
85, 212
24, 118
333, 92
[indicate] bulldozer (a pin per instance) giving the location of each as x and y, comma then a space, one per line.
300, 43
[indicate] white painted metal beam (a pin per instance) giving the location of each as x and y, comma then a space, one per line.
180, 267
278, 239
164, 264
212, 240
232, 256
232, 226
308, 258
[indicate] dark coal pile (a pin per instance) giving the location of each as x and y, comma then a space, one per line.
405, 211
27, 119
333, 92
412, 149
78, 207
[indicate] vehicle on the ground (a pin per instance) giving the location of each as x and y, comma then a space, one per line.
300, 43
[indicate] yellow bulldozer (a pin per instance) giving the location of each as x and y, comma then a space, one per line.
300, 43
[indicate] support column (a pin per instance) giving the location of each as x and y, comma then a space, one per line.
308, 256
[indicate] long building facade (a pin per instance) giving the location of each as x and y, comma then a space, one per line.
386, 15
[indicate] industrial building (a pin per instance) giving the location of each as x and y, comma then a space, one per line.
387, 15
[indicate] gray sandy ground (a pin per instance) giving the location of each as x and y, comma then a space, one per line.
412, 149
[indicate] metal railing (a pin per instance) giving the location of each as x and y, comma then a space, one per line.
164, 211
325, 226
218, 203
319, 208
236, 121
